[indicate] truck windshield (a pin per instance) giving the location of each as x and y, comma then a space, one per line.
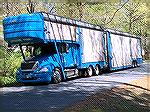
38, 50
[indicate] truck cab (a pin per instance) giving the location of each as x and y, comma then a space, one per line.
45, 60
42, 63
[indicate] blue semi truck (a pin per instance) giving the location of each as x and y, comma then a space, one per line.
61, 48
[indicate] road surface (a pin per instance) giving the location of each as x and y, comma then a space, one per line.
55, 97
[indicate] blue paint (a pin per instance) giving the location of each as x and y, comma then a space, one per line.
120, 67
87, 64
79, 37
139, 60
108, 39
49, 62
24, 28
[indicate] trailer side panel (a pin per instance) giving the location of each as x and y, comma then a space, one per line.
93, 47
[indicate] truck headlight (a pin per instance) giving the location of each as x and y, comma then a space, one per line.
44, 70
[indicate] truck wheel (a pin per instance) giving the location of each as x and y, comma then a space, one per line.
90, 71
98, 70
81, 73
56, 76
134, 64
77, 72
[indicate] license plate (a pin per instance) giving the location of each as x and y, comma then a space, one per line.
27, 76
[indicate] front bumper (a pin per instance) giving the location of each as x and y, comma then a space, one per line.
33, 78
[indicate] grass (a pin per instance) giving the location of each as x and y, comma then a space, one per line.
93, 110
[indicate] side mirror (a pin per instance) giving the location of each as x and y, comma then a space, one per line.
67, 48
9, 45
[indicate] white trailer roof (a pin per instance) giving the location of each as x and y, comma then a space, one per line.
73, 22
117, 32
63, 20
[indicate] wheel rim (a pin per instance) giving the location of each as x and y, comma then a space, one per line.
56, 76
90, 71
136, 64
133, 64
97, 71
77, 72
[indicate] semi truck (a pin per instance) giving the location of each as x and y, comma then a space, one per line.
61, 48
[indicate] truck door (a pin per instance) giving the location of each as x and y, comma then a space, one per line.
69, 54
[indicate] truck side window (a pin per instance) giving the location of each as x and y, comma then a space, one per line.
48, 49
37, 51
63, 48
67, 48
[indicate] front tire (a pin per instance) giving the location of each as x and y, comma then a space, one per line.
56, 76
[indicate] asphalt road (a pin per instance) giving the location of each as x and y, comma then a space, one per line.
55, 97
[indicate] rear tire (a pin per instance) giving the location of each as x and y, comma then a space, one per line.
98, 70
56, 76
134, 64
81, 73
89, 71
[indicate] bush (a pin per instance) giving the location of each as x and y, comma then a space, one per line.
4, 81
9, 62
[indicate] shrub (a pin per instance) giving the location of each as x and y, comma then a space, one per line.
9, 62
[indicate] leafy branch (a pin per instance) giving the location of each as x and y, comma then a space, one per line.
116, 12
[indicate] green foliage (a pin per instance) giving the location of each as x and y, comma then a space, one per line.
7, 80
9, 62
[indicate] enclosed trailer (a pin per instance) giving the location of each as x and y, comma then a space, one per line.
62, 48
124, 49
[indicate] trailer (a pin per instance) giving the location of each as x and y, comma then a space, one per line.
124, 50
62, 48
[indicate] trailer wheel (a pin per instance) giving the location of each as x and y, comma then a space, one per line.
56, 76
89, 71
98, 70
81, 73
137, 64
134, 64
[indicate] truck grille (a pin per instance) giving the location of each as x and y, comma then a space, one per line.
29, 65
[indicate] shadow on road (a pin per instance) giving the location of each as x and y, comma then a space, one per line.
56, 97
114, 100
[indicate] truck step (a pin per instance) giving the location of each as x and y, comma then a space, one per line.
70, 73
